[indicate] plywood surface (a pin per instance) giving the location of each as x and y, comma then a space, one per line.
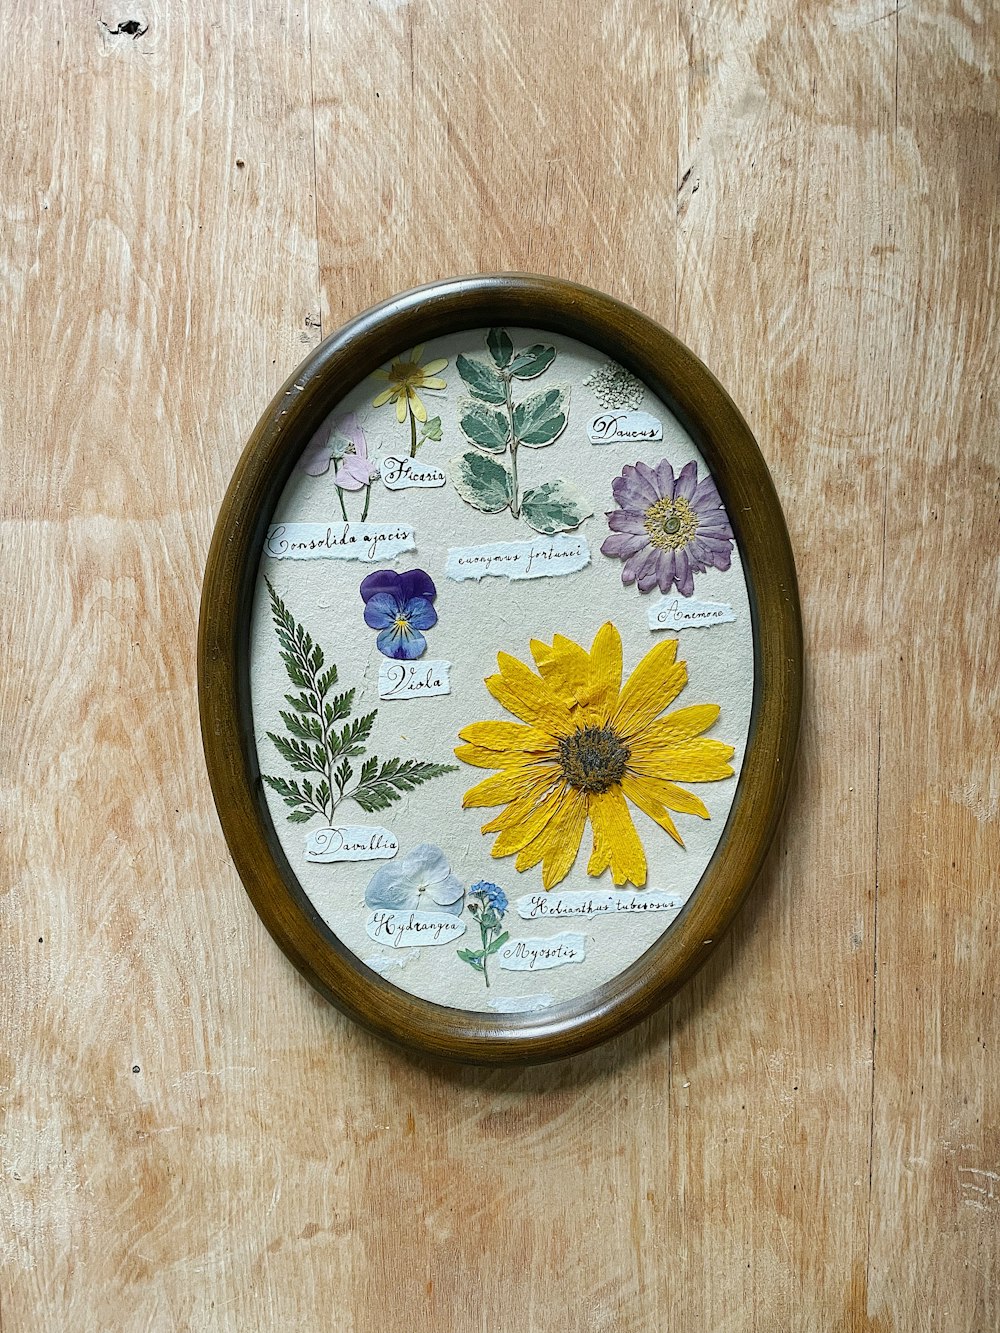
809, 1137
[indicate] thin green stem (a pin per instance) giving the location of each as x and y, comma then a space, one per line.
515, 504
368, 496
413, 429
343, 507
486, 975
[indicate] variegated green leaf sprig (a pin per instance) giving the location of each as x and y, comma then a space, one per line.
486, 476
316, 746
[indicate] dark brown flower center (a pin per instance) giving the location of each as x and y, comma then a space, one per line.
593, 758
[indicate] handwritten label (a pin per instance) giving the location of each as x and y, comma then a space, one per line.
401, 474
581, 902
351, 843
680, 613
538, 559
622, 427
539, 955
403, 930
338, 541
413, 680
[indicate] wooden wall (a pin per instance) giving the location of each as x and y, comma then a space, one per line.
806, 193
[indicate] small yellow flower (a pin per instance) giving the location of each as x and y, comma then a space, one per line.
589, 744
405, 377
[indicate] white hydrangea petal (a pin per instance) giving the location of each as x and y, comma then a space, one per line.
390, 887
426, 864
447, 891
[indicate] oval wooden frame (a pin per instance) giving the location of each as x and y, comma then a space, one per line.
705, 409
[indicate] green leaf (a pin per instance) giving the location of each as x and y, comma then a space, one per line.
395, 777
482, 379
304, 703
296, 753
351, 740
339, 707
532, 361
307, 728
325, 681
541, 418
431, 429
499, 942
288, 791
300, 816
483, 425
555, 506
500, 345
481, 482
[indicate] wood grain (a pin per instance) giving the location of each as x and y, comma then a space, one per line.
807, 1138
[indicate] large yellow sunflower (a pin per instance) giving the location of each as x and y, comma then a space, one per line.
588, 745
406, 375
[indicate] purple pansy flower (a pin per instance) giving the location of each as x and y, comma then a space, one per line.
399, 605
667, 528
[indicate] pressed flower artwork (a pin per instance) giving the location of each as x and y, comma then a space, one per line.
315, 747
515, 763
405, 376
421, 881
400, 607
588, 745
487, 904
341, 442
667, 528
615, 387
487, 476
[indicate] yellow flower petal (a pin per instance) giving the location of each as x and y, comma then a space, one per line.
653, 686
416, 406
563, 842
480, 758
509, 785
434, 367
383, 397
673, 797
381, 374
616, 843
700, 760
640, 793
401, 401
565, 667
682, 724
506, 736
558, 844
432, 382
605, 670
523, 694
417, 353
523, 824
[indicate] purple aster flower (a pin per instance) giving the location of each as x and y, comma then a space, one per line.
667, 528
399, 605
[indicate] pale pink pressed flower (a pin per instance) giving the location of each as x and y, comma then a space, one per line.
356, 470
